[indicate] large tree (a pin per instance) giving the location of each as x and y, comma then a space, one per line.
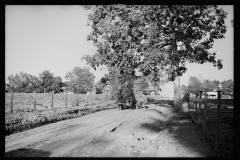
47, 80
23, 82
27, 83
228, 87
80, 80
155, 38
58, 85
195, 85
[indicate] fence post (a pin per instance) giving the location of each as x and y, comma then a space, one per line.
52, 100
86, 97
11, 102
200, 104
218, 115
34, 101
77, 100
66, 100
205, 112
188, 96
195, 103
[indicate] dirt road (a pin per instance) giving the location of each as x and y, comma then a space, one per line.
152, 132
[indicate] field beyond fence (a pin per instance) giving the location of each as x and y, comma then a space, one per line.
44, 100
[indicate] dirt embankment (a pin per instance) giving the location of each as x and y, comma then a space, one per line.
152, 132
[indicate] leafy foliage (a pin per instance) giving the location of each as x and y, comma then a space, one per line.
58, 85
228, 86
211, 85
125, 33
80, 80
22, 82
101, 84
26, 83
154, 38
47, 81
195, 85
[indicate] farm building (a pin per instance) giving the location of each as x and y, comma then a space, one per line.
209, 95
212, 94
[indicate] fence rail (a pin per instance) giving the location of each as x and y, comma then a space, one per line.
197, 110
213, 101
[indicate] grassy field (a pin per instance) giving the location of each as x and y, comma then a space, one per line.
43, 100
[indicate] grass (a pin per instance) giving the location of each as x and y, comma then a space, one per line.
25, 120
43, 100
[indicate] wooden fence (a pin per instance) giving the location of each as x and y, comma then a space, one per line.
202, 113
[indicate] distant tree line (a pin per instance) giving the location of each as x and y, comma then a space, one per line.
195, 85
79, 80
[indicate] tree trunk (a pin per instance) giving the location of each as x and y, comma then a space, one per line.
177, 93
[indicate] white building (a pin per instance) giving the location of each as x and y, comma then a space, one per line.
211, 95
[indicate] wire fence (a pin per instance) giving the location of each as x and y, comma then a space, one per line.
50, 100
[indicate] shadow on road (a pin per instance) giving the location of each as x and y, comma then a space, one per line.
159, 112
181, 128
22, 152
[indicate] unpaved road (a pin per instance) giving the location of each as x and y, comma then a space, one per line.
152, 132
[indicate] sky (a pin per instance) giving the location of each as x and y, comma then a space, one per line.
43, 37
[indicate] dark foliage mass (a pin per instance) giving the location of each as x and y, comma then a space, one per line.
79, 80
154, 38
195, 85
26, 83
125, 33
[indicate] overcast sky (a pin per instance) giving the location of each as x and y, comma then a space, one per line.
53, 38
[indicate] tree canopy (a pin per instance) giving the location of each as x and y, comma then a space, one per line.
46, 81
124, 34
228, 86
80, 80
155, 38
22, 82
195, 85
27, 83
